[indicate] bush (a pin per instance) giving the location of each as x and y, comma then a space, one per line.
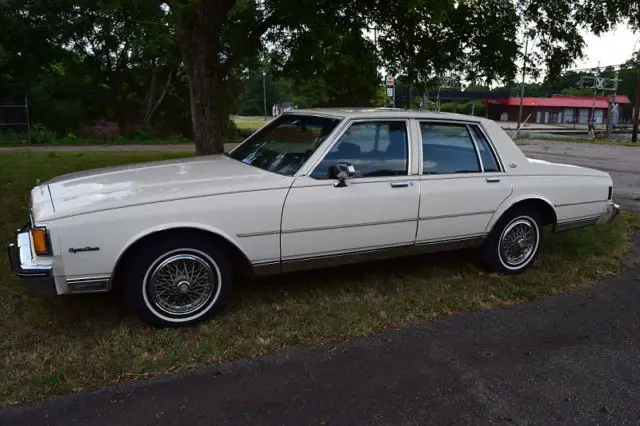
143, 134
447, 107
41, 135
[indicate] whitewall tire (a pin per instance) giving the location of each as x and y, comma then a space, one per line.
514, 242
178, 281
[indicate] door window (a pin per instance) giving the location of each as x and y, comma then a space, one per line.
447, 148
374, 149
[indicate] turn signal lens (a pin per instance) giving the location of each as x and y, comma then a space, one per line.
39, 237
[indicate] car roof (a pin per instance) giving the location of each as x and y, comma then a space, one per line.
381, 113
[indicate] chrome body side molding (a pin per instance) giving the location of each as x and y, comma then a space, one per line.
93, 284
367, 255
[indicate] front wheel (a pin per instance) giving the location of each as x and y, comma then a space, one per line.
178, 281
514, 242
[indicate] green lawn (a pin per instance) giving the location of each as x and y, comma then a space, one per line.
116, 141
250, 123
77, 343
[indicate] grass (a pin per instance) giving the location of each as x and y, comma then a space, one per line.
115, 141
246, 126
76, 343
578, 140
250, 123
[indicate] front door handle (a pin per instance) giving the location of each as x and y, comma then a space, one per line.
493, 179
399, 184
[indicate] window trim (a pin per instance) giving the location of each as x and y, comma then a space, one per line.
492, 147
464, 124
475, 146
348, 123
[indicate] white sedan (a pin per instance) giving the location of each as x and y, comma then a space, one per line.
312, 188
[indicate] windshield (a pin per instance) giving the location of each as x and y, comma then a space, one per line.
286, 143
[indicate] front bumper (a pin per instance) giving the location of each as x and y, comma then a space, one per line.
610, 214
37, 279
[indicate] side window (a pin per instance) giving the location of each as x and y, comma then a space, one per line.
375, 148
488, 158
447, 148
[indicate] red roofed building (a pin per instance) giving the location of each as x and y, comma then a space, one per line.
558, 109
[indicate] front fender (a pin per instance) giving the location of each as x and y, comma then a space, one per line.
176, 225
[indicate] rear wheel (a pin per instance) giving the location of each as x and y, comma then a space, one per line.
178, 281
514, 242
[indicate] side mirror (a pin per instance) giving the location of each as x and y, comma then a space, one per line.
342, 171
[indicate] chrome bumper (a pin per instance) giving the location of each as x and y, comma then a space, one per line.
37, 279
610, 214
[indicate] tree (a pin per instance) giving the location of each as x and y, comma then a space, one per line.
329, 68
82, 59
133, 60
420, 39
577, 91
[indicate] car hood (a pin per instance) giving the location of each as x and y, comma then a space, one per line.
116, 187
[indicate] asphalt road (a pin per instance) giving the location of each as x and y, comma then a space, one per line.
566, 359
621, 162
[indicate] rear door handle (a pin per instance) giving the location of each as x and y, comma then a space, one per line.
493, 179
399, 184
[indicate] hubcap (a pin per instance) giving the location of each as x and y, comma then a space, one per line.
519, 241
182, 284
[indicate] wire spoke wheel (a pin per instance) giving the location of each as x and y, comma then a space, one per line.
519, 242
182, 284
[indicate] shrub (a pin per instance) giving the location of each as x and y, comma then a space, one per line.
145, 134
447, 107
41, 135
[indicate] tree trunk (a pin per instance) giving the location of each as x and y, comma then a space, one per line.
152, 103
199, 37
148, 103
209, 112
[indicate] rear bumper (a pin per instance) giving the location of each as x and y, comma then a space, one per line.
37, 279
610, 214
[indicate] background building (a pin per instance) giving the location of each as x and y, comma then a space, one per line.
558, 109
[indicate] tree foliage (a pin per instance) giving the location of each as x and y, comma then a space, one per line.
188, 64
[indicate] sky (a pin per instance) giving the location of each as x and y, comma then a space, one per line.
611, 48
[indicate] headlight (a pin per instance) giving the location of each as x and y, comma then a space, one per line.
40, 239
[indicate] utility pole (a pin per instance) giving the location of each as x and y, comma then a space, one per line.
26, 110
264, 93
636, 112
593, 106
524, 71
614, 104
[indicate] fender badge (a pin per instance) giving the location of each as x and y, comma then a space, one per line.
79, 250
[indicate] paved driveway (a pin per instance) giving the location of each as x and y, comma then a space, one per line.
621, 162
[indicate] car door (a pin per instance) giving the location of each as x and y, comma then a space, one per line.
376, 209
462, 182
